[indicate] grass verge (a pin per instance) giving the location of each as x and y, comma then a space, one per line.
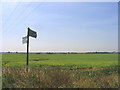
56, 77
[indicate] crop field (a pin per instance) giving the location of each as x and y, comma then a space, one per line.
60, 71
65, 60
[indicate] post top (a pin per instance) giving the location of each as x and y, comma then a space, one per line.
28, 28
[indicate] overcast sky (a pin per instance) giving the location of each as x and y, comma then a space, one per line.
61, 26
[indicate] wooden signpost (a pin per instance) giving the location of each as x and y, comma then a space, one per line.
26, 40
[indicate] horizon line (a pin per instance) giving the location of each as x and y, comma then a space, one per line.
52, 51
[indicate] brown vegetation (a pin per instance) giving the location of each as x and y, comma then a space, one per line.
55, 77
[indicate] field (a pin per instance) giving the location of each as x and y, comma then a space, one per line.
60, 70
65, 60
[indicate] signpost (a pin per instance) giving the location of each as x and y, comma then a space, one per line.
26, 40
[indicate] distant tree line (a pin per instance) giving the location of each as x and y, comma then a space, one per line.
64, 52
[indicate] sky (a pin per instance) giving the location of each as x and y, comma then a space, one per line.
60, 26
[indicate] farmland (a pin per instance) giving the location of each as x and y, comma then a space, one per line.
65, 60
60, 70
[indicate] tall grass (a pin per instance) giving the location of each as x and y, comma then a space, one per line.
55, 77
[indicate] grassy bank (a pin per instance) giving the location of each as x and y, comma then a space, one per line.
56, 77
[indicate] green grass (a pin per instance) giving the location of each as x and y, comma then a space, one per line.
64, 60
60, 71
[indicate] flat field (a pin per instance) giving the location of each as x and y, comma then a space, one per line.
64, 60
60, 71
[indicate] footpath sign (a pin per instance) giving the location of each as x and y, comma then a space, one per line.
32, 33
26, 40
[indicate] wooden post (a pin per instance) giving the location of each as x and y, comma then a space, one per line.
27, 51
